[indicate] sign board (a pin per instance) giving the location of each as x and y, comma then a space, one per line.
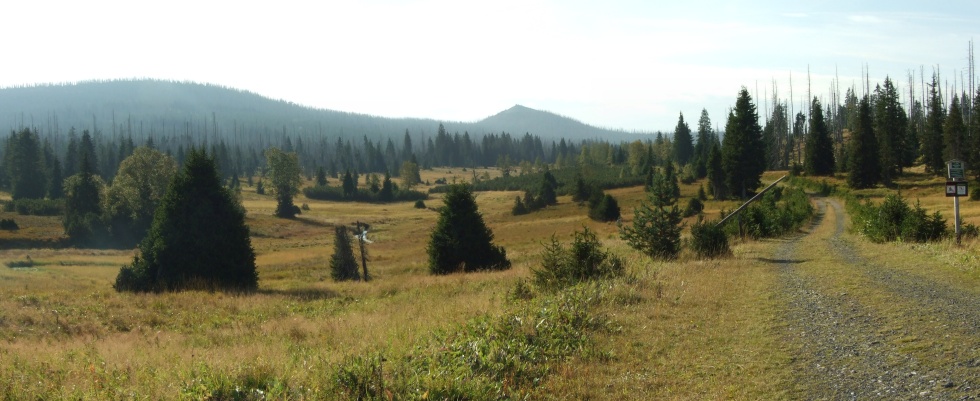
956, 188
956, 169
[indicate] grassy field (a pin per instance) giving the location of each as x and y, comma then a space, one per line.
688, 329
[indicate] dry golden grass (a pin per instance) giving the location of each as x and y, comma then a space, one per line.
690, 329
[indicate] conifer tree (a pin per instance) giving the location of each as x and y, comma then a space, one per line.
819, 153
703, 146
284, 173
461, 241
25, 165
864, 164
932, 141
743, 153
716, 173
83, 206
343, 265
387, 192
683, 142
890, 125
656, 229
321, 177
198, 240
954, 132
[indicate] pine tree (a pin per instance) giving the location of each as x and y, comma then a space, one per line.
703, 146
546, 193
321, 177
387, 192
343, 265
83, 206
890, 124
656, 229
954, 132
818, 159
932, 140
606, 209
519, 208
716, 173
743, 153
864, 164
683, 142
56, 181
25, 166
198, 240
349, 184
284, 173
461, 241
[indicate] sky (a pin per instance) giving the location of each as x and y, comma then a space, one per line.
633, 65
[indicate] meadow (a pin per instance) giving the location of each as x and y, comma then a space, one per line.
683, 329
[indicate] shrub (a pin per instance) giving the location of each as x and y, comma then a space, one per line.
694, 207
895, 220
305, 207
584, 260
709, 241
36, 207
419, 204
778, 212
606, 209
8, 224
337, 194
519, 208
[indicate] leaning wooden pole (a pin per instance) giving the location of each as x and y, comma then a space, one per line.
750, 201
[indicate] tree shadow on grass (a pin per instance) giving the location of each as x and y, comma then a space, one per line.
783, 261
312, 222
302, 294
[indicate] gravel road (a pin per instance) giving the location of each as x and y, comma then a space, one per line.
845, 350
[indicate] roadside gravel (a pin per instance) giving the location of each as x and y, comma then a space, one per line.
846, 350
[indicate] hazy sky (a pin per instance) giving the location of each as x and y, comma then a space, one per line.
618, 64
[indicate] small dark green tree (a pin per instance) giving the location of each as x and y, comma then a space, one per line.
606, 209
285, 176
584, 260
343, 265
83, 205
716, 174
865, 169
198, 239
461, 241
932, 136
349, 184
519, 208
260, 188
818, 159
321, 177
546, 194
387, 192
25, 165
656, 229
582, 190
683, 142
743, 153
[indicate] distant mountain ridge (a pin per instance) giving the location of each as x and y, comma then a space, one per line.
153, 107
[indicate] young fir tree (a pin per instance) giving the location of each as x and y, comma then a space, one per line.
683, 142
743, 153
818, 159
198, 239
519, 208
321, 177
343, 265
25, 165
656, 229
932, 141
890, 125
703, 146
864, 164
605, 209
954, 133
387, 191
716, 173
461, 241
284, 173
83, 206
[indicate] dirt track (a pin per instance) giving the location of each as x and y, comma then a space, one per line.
894, 336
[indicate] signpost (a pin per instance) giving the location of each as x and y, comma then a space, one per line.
955, 188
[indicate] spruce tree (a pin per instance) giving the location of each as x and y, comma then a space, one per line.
864, 164
285, 177
932, 141
683, 142
387, 191
343, 265
83, 206
743, 153
954, 133
656, 229
25, 166
321, 177
703, 146
461, 241
818, 158
716, 173
890, 125
198, 239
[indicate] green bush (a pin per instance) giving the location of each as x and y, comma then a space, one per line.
584, 260
36, 207
8, 224
778, 212
694, 207
419, 204
709, 241
606, 209
894, 220
337, 194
